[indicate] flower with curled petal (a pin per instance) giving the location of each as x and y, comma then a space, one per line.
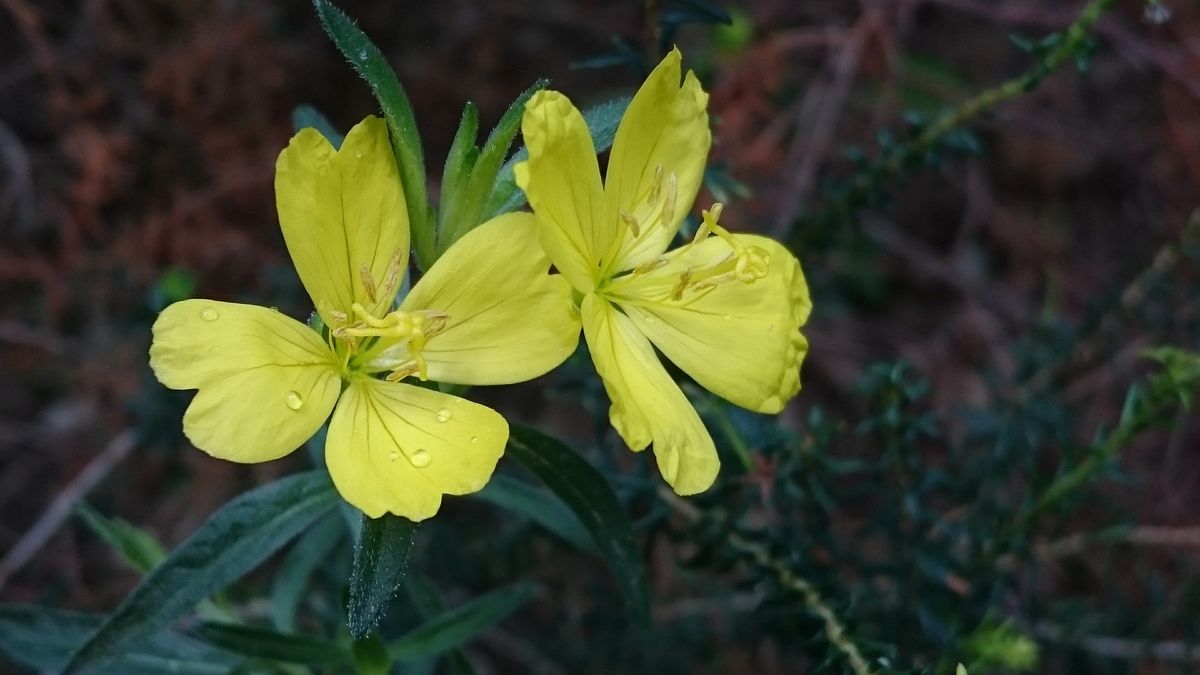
726, 308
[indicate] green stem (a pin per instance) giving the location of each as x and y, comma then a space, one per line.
867, 181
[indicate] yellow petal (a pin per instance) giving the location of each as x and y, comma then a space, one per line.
398, 448
510, 320
740, 340
267, 382
647, 406
561, 179
657, 162
343, 217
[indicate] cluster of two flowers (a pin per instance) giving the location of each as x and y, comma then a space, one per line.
726, 308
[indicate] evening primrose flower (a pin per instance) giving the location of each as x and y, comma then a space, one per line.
726, 308
488, 312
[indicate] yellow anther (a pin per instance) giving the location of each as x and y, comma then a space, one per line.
339, 317
368, 282
631, 223
650, 265
656, 186
391, 277
668, 209
410, 367
753, 263
681, 285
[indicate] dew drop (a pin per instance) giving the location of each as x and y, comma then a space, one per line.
444, 415
294, 400
421, 459
474, 440
358, 154
209, 314
393, 455
728, 317
362, 55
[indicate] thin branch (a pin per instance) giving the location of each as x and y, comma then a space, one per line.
786, 577
60, 509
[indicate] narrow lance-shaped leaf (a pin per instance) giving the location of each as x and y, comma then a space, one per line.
43, 638
602, 121
428, 603
368, 61
380, 559
137, 547
456, 175
263, 643
233, 541
292, 580
455, 627
589, 495
487, 166
539, 506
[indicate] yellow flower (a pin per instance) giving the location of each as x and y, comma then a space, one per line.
488, 312
726, 308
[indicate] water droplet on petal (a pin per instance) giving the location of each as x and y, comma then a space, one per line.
444, 415
209, 314
727, 317
421, 459
358, 154
294, 400
393, 455
474, 440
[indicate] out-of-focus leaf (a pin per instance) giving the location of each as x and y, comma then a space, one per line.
292, 579
43, 639
427, 602
137, 547
306, 116
263, 643
230, 543
602, 121
368, 61
540, 507
589, 495
455, 627
380, 560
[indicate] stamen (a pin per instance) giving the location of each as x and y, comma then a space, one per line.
650, 265
656, 186
668, 209
631, 223
391, 277
685, 278
368, 283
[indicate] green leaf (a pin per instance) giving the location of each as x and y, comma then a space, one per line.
263, 643
456, 175
455, 627
292, 579
540, 507
229, 544
425, 599
589, 495
138, 548
368, 62
380, 560
602, 121
306, 116
43, 638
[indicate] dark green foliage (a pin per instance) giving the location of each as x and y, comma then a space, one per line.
380, 561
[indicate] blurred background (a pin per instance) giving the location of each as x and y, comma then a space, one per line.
1009, 278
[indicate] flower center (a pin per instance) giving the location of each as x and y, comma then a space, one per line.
368, 338
741, 263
